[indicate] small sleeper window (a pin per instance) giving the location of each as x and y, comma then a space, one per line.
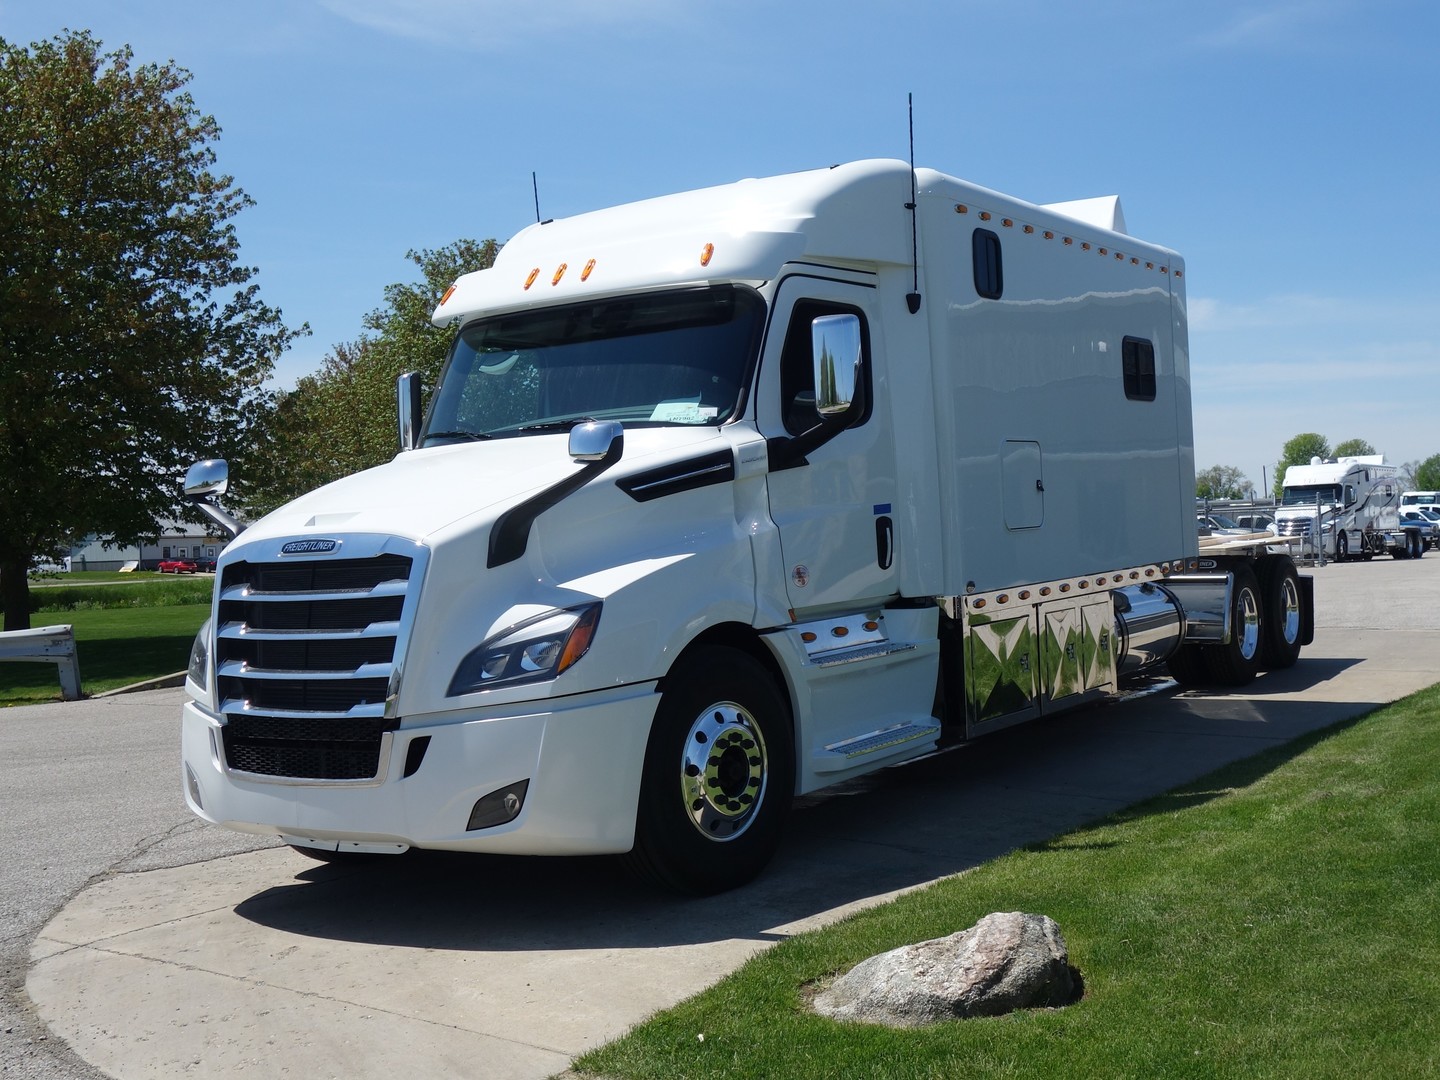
989, 274
1138, 359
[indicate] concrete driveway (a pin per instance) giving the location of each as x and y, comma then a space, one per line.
267, 963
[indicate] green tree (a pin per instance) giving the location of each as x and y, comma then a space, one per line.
342, 418
1354, 448
1427, 476
1221, 482
131, 339
1299, 451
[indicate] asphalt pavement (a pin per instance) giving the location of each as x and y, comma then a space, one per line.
157, 946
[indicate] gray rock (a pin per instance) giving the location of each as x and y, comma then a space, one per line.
1006, 961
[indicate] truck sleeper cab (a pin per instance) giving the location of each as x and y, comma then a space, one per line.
725, 497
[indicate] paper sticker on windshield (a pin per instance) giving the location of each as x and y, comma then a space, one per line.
683, 412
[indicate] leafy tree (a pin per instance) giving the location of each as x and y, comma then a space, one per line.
1354, 448
1221, 482
131, 339
342, 419
1427, 476
1299, 451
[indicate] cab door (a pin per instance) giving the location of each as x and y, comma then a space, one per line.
834, 504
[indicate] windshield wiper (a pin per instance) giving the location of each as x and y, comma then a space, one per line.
557, 425
471, 436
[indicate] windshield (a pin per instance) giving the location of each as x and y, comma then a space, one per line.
676, 357
1306, 494
1418, 498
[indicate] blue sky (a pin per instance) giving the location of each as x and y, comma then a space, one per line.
1287, 149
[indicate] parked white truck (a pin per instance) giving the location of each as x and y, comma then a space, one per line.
725, 497
1352, 504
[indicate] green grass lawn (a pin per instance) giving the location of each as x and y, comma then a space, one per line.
1279, 918
115, 646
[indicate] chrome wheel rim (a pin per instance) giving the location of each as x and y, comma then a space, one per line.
1249, 630
1290, 611
723, 771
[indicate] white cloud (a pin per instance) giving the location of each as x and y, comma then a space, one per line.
1287, 25
497, 24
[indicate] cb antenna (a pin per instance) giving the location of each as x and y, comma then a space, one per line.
912, 299
535, 187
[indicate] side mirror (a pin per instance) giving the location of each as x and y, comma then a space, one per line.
207, 478
407, 409
597, 440
835, 351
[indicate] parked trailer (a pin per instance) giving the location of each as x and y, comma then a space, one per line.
725, 497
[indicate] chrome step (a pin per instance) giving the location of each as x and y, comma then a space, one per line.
847, 753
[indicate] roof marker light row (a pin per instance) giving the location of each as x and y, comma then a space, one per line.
1085, 245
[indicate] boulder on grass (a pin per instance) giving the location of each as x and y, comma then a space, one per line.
1006, 961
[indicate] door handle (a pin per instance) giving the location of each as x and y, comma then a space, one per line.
884, 542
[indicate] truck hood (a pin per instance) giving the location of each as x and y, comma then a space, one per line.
423, 492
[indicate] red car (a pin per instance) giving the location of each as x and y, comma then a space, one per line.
177, 566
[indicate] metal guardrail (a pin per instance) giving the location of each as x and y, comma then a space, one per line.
46, 644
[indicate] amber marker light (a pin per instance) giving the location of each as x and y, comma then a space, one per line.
579, 640
807, 636
448, 293
706, 254
559, 273
961, 208
589, 267
531, 279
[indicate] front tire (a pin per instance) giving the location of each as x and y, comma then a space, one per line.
719, 775
1342, 546
1237, 662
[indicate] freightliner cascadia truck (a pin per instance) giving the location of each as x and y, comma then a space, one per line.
724, 497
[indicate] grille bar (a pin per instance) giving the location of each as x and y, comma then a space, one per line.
245, 594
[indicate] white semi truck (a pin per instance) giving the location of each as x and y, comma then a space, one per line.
725, 497
1347, 507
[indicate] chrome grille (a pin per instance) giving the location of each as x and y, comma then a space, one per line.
303, 658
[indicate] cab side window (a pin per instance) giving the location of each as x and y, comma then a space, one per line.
797, 373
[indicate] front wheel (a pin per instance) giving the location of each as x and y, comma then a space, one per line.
719, 775
1342, 546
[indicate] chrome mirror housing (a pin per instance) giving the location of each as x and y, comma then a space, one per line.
596, 440
208, 477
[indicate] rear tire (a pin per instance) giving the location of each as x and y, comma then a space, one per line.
1188, 666
1284, 616
1237, 662
719, 775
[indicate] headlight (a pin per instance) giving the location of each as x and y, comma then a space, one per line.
198, 671
532, 651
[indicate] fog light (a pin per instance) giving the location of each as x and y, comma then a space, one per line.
499, 807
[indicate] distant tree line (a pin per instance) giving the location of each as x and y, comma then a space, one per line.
1228, 482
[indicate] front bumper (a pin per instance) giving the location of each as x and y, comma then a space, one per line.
583, 756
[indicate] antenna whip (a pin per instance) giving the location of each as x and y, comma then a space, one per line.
912, 299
